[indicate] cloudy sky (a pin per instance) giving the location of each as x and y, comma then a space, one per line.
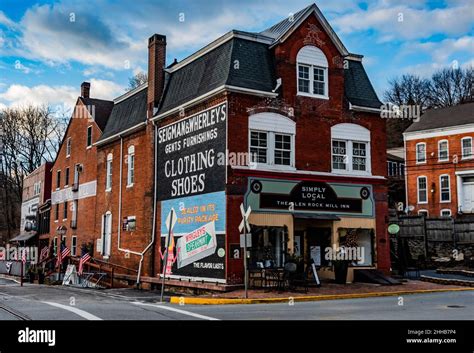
47, 48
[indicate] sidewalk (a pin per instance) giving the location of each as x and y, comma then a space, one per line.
328, 291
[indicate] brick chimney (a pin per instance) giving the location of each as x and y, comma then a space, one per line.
156, 73
85, 89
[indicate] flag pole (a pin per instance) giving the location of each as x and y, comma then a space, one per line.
165, 260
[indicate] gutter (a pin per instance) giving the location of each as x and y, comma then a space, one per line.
215, 91
363, 109
120, 134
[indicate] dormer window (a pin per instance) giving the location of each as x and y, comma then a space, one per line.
312, 72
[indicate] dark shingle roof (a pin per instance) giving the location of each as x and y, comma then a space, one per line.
126, 114
358, 89
237, 62
102, 108
444, 117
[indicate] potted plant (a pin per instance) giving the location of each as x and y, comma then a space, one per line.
31, 274
40, 276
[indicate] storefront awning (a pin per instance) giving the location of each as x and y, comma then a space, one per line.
23, 237
321, 217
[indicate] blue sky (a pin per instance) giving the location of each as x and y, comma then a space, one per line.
47, 48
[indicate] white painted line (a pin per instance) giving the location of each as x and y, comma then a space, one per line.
76, 311
184, 312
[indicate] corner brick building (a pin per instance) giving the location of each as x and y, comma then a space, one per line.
297, 122
285, 121
440, 162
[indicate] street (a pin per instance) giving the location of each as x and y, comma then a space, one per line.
40, 302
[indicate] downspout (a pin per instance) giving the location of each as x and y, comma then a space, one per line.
153, 231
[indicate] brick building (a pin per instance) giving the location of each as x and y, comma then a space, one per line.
74, 176
36, 193
439, 162
285, 121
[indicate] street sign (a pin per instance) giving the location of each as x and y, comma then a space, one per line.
249, 240
170, 223
393, 228
245, 219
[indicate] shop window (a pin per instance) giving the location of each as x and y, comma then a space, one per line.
422, 189
351, 149
445, 190
421, 152
358, 244
443, 151
269, 247
312, 72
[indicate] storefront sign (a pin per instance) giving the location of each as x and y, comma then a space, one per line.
195, 211
191, 154
288, 196
196, 245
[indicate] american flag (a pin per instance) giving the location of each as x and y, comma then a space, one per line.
44, 253
84, 258
23, 256
62, 254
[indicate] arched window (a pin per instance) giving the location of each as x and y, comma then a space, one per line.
350, 149
108, 170
312, 72
272, 140
131, 166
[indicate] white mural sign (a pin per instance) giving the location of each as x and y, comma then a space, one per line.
197, 245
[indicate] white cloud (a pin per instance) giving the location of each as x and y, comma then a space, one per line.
4, 20
398, 22
18, 95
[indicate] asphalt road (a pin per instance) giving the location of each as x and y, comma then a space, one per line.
35, 302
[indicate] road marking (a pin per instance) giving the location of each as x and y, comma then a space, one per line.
184, 312
76, 311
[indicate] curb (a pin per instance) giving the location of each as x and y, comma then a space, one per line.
226, 301
447, 281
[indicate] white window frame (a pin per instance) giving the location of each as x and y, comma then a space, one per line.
108, 172
423, 211
131, 166
350, 134
272, 124
312, 57
418, 189
74, 245
439, 151
463, 156
68, 147
441, 189
445, 210
89, 128
416, 153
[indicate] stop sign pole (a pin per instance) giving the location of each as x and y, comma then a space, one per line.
170, 222
244, 227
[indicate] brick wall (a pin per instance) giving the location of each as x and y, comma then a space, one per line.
432, 169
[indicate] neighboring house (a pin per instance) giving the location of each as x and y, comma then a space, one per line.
124, 211
36, 192
440, 162
74, 175
301, 112
396, 181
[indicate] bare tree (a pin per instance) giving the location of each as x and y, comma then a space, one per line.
450, 86
29, 136
137, 80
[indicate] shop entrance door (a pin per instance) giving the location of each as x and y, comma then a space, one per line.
318, 239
